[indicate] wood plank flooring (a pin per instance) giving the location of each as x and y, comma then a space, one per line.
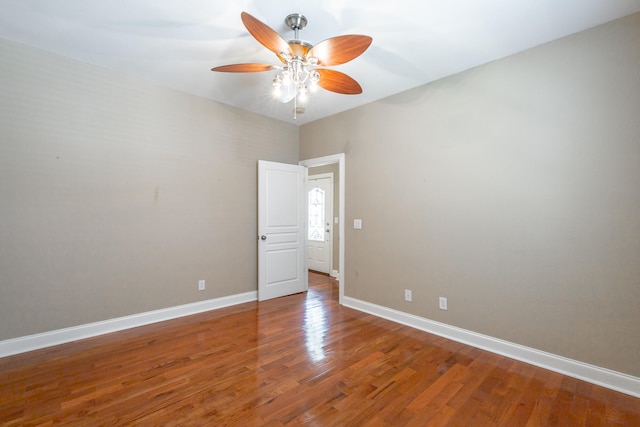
297, 360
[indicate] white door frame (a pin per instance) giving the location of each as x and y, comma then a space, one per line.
328, 160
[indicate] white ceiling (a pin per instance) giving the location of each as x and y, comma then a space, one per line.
176, 43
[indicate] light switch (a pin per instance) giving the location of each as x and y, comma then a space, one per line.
357, 224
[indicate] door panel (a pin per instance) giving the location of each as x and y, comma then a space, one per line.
281, 230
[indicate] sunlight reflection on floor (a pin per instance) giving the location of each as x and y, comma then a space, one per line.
315, 327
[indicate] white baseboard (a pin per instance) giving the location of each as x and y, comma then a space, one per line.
604, 377
335, 275
61, 336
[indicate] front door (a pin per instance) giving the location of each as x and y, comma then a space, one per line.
320, 222
281, 230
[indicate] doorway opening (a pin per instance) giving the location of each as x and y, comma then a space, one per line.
338, 159
320, 220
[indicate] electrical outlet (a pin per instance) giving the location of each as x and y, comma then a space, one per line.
201, 285
407, 295
443, 303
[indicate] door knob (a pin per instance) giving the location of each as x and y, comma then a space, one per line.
263, 237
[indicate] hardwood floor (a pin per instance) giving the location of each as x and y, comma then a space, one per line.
297, 360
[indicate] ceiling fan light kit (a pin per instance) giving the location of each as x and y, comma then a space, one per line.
299, 70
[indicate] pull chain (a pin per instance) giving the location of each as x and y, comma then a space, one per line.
295, 107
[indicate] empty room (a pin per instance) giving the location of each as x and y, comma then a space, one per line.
321, 213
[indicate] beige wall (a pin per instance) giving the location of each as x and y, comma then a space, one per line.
117, 196
335, 170
512, 190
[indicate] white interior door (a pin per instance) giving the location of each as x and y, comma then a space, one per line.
320, 222
281, 230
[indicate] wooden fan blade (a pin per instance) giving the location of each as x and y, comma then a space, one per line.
335, 81
341, 49
243, 68
265, 35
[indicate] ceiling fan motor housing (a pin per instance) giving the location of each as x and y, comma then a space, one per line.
296, 22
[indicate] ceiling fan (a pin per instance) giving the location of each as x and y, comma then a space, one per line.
301, 61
